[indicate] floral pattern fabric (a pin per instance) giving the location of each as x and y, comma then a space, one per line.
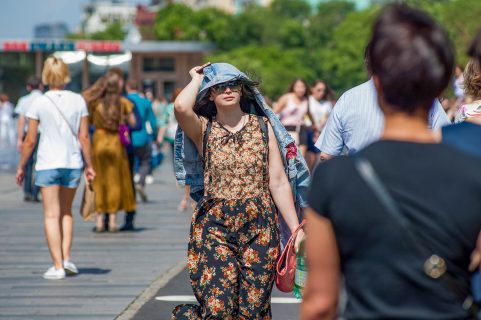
467, 111
234, 239
236, 164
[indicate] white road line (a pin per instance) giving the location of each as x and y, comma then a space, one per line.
282, 300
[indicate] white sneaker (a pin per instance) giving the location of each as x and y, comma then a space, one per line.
70, 267
54, 274
136, 178
149, 179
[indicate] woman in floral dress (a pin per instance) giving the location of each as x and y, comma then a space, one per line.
234, 240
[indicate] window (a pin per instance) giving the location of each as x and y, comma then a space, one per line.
159, 64
169, 87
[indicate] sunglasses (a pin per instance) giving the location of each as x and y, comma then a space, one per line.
235, 86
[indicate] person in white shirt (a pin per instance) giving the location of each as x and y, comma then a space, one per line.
320, 106
34, 88
62, 117
7, 124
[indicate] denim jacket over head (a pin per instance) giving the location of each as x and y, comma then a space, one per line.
188, 163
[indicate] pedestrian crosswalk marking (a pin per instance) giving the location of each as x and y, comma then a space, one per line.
281, 300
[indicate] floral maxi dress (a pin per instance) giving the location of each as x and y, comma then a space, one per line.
234, 237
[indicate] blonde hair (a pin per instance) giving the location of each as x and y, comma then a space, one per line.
55, 72
472, 79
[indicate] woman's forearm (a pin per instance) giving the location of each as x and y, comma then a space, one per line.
27, 149
86, 150
282, 195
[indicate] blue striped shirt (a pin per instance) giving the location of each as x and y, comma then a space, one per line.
356, 121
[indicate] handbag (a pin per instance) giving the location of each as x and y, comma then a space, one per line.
87, 207
124, 132
286, 264
435, 266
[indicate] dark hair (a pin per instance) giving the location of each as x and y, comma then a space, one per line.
411, 56
328, 93
206, 108
34, 82
474, 50
367, 57
293, 83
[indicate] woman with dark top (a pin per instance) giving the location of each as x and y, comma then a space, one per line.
389, 266
234, 239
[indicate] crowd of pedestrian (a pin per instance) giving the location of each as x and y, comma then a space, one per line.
110, 131
378, 209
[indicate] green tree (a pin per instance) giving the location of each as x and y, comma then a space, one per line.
176, 22
215, 26
275, 66
328, 17
342, 65
295, 9
115, 31
461, 20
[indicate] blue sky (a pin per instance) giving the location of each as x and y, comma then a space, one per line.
18, 17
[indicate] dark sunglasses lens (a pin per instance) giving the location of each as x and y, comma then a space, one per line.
220, 88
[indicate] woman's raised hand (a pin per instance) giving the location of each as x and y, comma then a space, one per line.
198, 71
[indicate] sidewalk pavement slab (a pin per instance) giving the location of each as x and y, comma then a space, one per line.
114, 268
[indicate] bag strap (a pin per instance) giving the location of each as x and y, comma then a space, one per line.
435, 266
62, 115
205, 139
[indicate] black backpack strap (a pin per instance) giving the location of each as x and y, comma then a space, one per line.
205, 139
264, 129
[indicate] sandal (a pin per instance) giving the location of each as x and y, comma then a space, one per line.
113, 229
98, 230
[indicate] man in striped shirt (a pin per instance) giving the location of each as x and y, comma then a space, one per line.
356, 121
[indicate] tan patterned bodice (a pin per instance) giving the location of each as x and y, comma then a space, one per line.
236, 164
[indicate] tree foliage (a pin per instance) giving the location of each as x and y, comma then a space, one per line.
289, 39
114, 31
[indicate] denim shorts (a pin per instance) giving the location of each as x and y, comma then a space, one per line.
69, 178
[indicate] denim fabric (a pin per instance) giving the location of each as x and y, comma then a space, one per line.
69, 178
188, 163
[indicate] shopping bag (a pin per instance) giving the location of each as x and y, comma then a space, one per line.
87, 207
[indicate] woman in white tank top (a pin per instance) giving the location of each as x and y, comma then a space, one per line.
292, 108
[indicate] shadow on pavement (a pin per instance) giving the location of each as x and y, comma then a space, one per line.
93, 271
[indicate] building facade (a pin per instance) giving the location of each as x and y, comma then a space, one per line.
98, 15
160, 66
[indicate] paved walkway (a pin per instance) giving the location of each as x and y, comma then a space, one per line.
114, 268
120, 274
178, 291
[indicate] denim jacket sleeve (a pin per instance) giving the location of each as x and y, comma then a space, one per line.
188, 165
